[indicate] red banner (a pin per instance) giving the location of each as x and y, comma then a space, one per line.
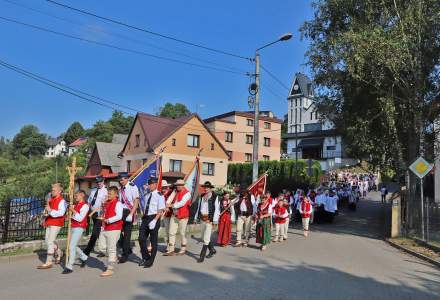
259, 186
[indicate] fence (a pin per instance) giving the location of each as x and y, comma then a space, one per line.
21, 219
413, 220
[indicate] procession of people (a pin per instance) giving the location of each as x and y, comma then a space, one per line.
113, 211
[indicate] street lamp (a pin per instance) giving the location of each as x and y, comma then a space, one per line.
255, 87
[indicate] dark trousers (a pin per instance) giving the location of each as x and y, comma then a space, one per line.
96, 230
144, 233
125, 239
384, 197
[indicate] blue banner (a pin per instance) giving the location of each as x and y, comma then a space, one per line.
147, 171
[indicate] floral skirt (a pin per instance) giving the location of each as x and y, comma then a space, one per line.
263, 234
224, 230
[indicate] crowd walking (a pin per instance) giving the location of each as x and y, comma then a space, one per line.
112, 211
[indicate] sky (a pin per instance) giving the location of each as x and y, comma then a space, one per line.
138, 81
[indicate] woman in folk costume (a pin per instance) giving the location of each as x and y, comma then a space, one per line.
263, 229
281, 215
225, 217
305, 209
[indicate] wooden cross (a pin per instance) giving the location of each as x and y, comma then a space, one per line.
72, 172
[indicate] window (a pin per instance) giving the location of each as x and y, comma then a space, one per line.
229, 154
250, 122
175, 165
228, 136
316, 115
311, 116
208, 169
294, 150
138, 140
267, 125
128, 165
266, 157
173, 142
267, 142
193, 140
249, 139
331, 148
212, 146
248, 157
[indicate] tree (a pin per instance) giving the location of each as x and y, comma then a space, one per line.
376, 66
120, 123
29, 142
174, 111
101, 131
74, 132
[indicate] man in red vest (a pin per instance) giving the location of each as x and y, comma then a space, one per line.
113, 223
55, 210
79, 223
179, 220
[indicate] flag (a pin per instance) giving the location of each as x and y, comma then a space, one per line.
260, 183
149, 169
192, 180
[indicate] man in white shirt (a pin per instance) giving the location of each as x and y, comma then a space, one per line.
384, 193
129, 197
179, 220
331, 206
96, 199
152, 206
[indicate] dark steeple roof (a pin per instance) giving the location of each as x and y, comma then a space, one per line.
305, 86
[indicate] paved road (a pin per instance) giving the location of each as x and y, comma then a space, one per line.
346, 260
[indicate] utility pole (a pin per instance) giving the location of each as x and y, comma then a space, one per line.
256, 119
256, 88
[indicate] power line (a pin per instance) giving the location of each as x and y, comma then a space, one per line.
147, 30
275, 78
110, 104
54, 85
121, 36
120, 48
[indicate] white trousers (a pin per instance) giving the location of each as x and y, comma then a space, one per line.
206, 232
75, 237
243, 224
286, 228
280, 230
111, 238
166, 223
51, 244
180, 226
305, 222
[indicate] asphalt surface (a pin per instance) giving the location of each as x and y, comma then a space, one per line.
345, 260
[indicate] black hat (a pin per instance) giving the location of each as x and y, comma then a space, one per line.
123, 175
152, 180
99, 179
207, 184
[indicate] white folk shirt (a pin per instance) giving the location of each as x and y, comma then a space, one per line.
204, 207
243, 207
118, 216
131, 193
79, 217
61, 210
157, 203
100, 198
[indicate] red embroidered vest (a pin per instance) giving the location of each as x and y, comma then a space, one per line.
182, 212
81, 224
54, 203
109, 212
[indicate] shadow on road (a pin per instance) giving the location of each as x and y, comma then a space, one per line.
281, 280
371, 220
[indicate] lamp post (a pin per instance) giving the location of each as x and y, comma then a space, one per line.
256, 88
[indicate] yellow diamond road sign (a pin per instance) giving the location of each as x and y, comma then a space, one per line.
421, 167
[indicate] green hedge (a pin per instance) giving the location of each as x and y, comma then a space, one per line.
283, 174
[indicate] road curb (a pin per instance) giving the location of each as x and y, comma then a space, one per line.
413, 253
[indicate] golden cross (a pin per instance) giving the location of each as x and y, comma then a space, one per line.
72, 172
